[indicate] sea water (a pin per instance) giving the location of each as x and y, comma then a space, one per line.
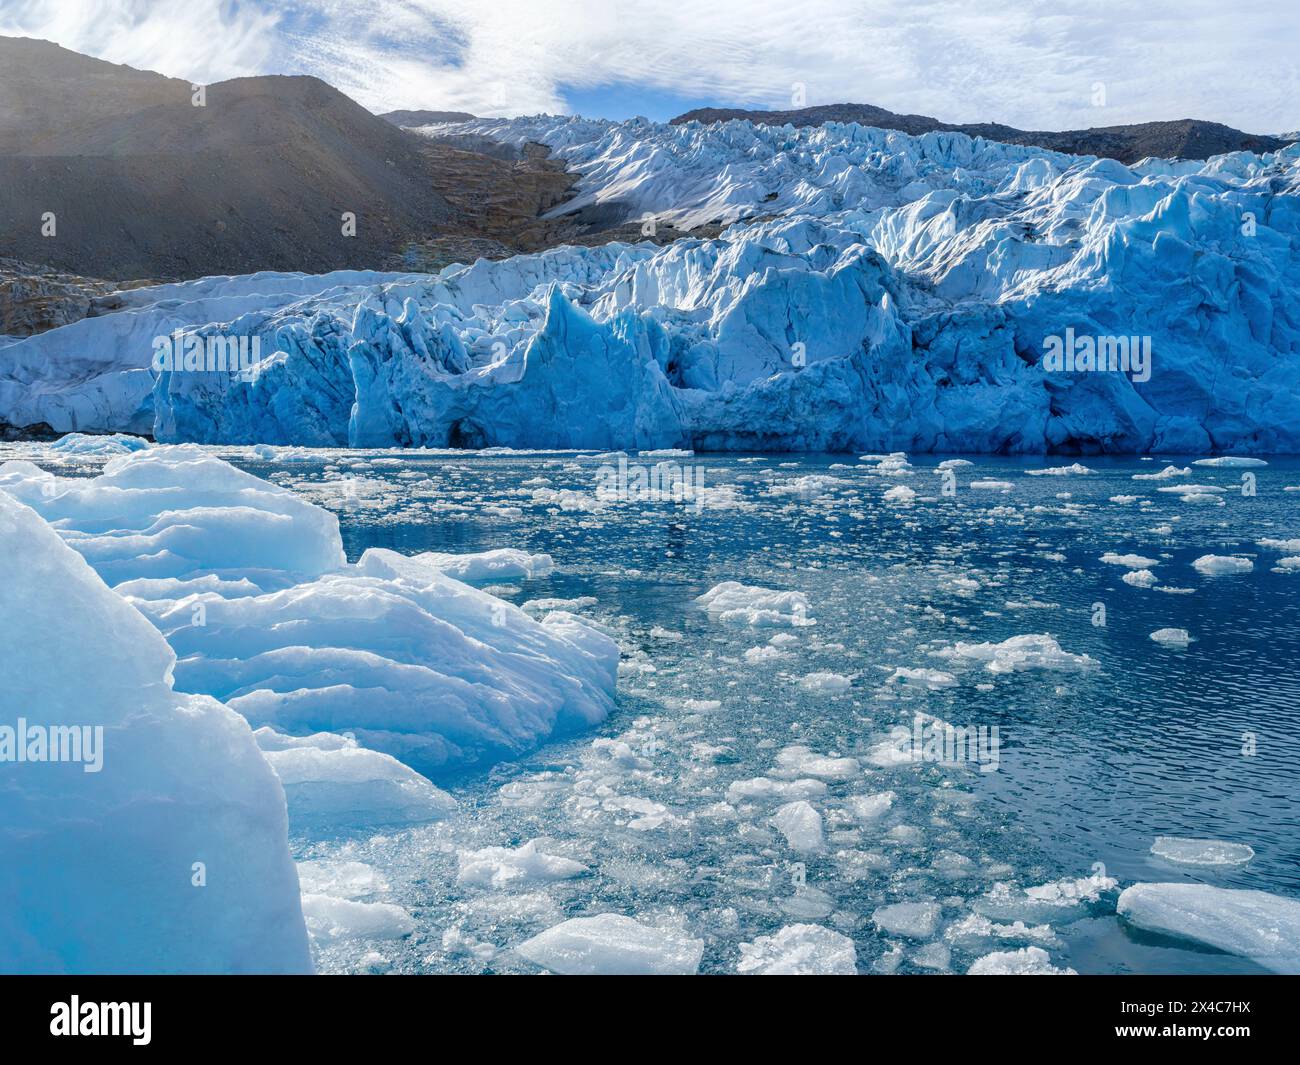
1114, 742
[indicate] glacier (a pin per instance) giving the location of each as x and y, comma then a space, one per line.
871, 291
250, 587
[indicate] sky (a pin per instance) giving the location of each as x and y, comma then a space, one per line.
1028, 63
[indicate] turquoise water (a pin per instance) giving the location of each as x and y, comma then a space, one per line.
1094, 762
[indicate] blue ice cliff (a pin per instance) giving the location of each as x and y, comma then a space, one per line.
872, 290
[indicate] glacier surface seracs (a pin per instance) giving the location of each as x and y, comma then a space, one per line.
874, 291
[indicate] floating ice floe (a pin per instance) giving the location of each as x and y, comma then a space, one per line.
798, 761
1171, 637
866, 808
825, 683
915, 920
1201, 851
741, 604
330, 918
613, 945
975, 928
1168, 473
1019, 653
332, 785
1062, 900
1217, 565
84, 444
758, 788
502, 867
1285, 546
1140, 578
145, 833
1129, 561
1252, 924
801, 825
933, 679
1074, 469
1231, 462
1030, 961
799, 950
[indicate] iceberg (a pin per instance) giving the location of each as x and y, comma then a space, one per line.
250, 586
168, 856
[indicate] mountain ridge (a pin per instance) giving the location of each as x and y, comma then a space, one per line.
1184, 138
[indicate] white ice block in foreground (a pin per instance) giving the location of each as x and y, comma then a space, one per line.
172, 856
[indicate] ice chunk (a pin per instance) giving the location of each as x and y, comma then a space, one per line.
799, 950
1213, 565
801, 825
1252, 924
1030, 961
1201, 851
333, 785
330, 919
1171, 637
916, 920
933, 679
341, 879
502, 564
869, 807
1061, 900
767, 788
1019, 653
502, 867
825, 682
1130, 561
250, 586
613, 945
799, 761
98, 445
1231, 461
1140, 578
742, 604
171, 855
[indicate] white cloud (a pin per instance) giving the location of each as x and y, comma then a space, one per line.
1024, 62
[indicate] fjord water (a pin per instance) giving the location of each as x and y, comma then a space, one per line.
1094, 763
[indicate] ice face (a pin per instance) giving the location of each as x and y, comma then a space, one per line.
906, 292
170, 855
